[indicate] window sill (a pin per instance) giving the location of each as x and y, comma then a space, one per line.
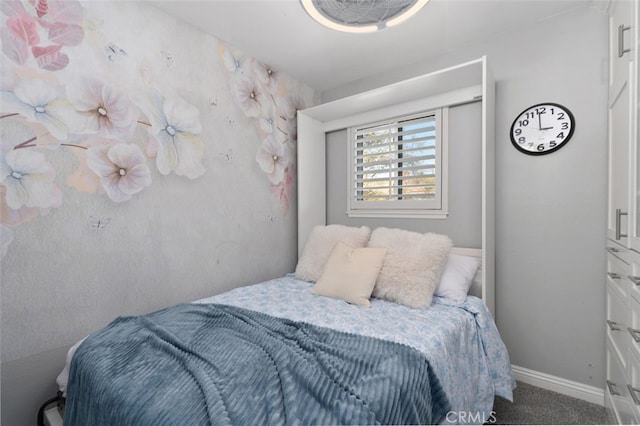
399, 214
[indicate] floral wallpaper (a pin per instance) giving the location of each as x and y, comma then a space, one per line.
106, 107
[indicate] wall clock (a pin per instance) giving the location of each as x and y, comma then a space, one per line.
542, 129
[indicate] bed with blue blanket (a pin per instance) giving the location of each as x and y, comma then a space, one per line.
274, 353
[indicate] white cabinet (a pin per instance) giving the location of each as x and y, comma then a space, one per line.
621, 34
622, 391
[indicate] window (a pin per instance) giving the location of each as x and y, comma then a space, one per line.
396, 167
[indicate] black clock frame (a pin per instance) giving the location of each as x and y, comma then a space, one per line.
549, 151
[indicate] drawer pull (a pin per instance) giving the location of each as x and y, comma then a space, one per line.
634, 279
612, 388
613, 250
633, 391
613, 326
634, 333
619, 214
621, 49
614, 275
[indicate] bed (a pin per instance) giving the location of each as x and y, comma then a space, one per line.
285, 351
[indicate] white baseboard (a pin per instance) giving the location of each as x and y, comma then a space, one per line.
557, 384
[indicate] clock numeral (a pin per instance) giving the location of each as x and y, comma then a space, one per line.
565, 126
522, 140
561, 116
560, 135
540, 147
541, 110
552, 144
523, 123
518, 132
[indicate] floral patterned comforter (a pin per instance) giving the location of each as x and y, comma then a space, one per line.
460, 340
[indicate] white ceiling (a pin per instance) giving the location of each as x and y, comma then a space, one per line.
281, 34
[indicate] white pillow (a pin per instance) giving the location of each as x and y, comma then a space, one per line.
457, 277
320, 245
412, 267
350, 274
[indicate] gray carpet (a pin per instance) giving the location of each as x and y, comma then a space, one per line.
535, 406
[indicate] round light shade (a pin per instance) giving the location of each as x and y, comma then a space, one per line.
360, 16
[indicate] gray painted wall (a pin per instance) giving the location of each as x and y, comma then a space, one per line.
550, 210
463, 224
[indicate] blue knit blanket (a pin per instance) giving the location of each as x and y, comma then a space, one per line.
218, 364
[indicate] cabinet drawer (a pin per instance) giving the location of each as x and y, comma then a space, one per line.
634, 326
618, 275
617, 391
619, 251
634, 382
617, 322
634, 276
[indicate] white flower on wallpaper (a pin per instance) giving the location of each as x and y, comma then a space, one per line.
175, 128
122, 169
273, 158
272, 102
233, 60
28, 179
39, 101
103, 109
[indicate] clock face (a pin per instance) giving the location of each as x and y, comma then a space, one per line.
542, 129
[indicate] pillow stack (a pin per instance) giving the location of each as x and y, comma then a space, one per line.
353, 264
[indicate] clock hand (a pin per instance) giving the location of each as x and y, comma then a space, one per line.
540, 124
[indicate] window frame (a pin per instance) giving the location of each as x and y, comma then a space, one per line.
433, 209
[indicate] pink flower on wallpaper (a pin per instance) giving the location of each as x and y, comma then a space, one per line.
273, 158
250, 97
11, 217
122, 169
28, 179
266, 76
289, 104
104, 110
6, 237
285, 189
39, 101
175, 128
40, 30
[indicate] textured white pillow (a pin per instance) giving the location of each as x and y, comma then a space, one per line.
457, 277
350, 274
412, 267
320, 244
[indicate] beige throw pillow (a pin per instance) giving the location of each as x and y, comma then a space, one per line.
350, 274
320, 244
412, 267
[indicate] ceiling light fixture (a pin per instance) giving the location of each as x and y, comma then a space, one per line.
361, 16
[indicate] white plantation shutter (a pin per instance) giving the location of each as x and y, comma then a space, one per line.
396, 165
